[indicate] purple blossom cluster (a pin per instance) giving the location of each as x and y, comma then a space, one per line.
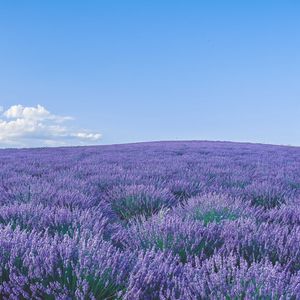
163, 220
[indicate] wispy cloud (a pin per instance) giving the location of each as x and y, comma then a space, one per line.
35, 126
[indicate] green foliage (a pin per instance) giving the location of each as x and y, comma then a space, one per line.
103, 287
131, 206
214, 215
267, 201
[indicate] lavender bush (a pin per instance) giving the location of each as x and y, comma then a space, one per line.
139, 200
164, 220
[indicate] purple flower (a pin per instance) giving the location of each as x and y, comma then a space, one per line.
163, 220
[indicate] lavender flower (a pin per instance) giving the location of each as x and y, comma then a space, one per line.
163, 220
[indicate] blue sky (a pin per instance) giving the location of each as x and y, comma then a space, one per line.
149, 70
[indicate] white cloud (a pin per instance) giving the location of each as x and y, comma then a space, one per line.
35, 126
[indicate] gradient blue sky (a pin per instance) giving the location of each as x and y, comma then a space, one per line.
157, 70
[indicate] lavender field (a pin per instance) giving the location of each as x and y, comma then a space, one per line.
161, 220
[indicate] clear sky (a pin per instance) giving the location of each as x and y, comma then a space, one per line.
149, 70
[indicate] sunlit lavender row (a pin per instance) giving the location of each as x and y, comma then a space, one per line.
165, 220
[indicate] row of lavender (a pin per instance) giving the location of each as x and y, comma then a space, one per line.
172, 220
